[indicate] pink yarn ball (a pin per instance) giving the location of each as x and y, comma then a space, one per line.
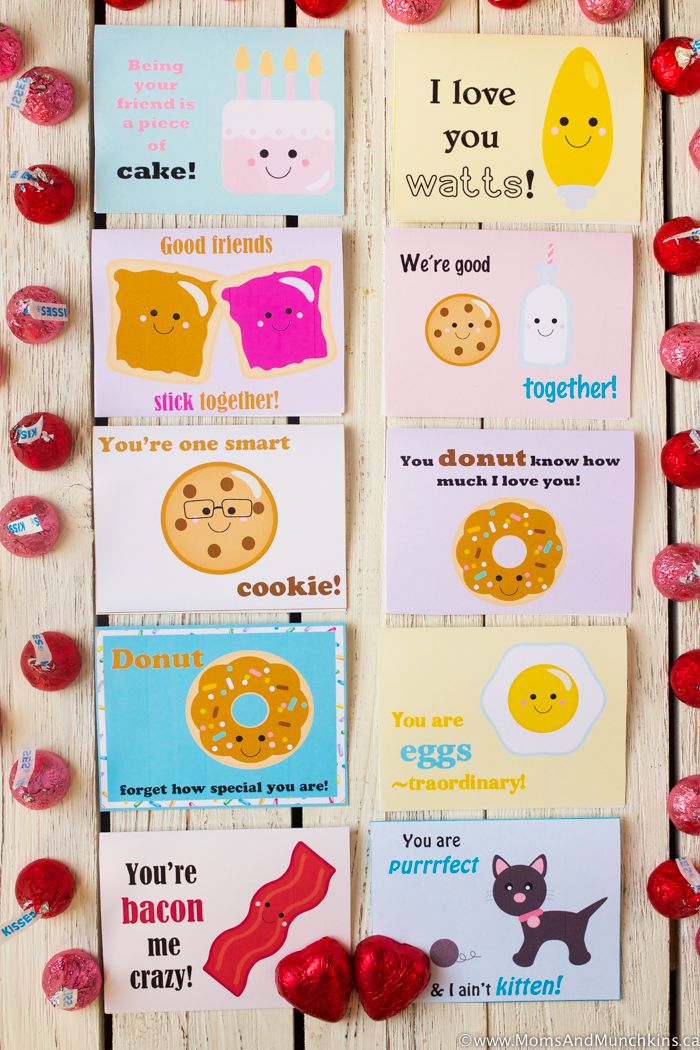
11, 54
29, 526
41, 782
680, 350
603, 11
71, 979
21, 311
684, 805
49, 98
412, 12
694, 148
676, 572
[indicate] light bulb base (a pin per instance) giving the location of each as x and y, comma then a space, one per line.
576, 197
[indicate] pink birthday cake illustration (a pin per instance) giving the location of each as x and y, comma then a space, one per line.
278, 145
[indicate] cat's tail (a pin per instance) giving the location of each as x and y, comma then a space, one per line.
586, 913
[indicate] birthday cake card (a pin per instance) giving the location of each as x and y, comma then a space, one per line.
217, 120
221, 322
499, 323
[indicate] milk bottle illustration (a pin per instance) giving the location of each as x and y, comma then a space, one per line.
545, 319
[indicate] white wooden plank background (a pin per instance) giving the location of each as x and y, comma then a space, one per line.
659, 965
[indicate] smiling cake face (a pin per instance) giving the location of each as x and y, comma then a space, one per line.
164, 319
462, 330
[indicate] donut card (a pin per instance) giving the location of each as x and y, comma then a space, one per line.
509, 911
217, 518
220, 322
498, 323
227, 716
216, 120
198, 920
496, 521
517, 128
493, 717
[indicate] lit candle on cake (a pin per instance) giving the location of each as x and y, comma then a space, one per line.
242, 64
291, 64
267, 68
315, 68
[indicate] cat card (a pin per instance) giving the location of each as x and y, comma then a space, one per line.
227, 716
188, 925
209, 518
498, 323
508, 910
502, 717
219, 120
494, 521
517, 128
221, 322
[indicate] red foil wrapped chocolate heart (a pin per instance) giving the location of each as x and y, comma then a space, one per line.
389, 976
317, 980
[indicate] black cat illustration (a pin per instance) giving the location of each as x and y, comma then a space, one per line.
520, 890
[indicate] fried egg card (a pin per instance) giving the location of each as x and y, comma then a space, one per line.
495, 521
198, 920
500, 323
508, 910
517, 128
493, 717
217, 120
226, 716
219, 518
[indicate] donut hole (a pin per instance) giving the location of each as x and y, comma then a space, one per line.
509, 552
250, 710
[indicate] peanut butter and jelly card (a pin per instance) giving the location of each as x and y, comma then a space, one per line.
227, 716
198, 920
508, 911
517, 128
497, 521
220, 322
219, 518
219, 121
503, 323
493, 717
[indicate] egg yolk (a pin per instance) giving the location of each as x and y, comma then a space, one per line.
543, 698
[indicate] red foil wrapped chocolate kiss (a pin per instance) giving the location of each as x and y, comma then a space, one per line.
670, 892
684, 805
43, 193
46, 886
675, 65
71, 979
605, 11
36, 314
39, 779
11, 53
685, 678
412, 12
676, 572
677, 246
680, 350
50, 661
29, 526
41, 441
680, 459
321, 8
44, 95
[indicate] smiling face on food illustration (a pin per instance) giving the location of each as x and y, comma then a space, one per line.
462, 330
543, 698
219, 518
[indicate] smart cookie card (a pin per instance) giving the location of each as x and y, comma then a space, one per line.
502, 717
218, 322
219, 120
491, 521
517, 128
508, 910
219, 517
198, 920
500, 323
226, 716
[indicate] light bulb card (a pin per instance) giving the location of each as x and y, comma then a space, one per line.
517, 128
509, 911
508, 324
224, 322
499, 522
230, 716
219, 120
218, 518
495, 717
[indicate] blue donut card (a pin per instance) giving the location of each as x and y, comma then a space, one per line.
202, 717
217, 120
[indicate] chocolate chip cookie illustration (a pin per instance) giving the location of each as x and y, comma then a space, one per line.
219, 518
462, 330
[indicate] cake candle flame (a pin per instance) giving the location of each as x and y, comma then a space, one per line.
242, 65
267, 68
291, 64
315, 68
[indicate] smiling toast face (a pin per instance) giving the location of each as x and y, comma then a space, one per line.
164, 321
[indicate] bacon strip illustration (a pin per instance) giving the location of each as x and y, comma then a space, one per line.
272, 909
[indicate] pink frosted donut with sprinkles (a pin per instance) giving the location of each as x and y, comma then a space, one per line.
249, 710
509, 551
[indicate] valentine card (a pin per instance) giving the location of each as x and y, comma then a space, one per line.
489, 521
218, 322
198, 920
219, 120
215, 518
508, 910
498, 323
517, 128
493, 717
227, 716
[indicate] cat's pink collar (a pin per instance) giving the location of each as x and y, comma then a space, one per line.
532, 918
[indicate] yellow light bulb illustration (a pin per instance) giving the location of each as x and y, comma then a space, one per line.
577, 137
